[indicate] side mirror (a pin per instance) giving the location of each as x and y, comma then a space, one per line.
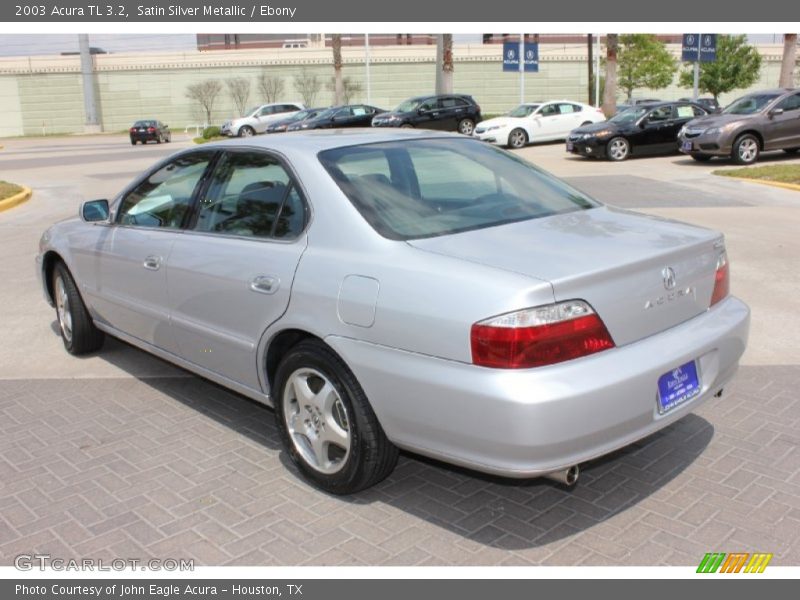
421, 111
775, 112
95, 211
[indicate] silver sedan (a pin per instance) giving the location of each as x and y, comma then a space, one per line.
404, 289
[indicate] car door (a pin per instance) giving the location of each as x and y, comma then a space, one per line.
656, 131
231, 273
429, 115
545, 123
570, 117
263, 118
132, 281
783, 130
342, 118
362, 116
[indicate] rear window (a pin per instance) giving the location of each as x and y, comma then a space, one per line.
425, 188
144, 124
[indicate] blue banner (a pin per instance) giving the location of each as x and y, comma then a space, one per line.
699, 46
511, 57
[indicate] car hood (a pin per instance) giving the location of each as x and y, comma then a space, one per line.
718, 120
501, 122
595, 127
612, 258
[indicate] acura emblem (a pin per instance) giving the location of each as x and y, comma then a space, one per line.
669, 278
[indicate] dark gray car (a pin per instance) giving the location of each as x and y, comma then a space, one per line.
766, 120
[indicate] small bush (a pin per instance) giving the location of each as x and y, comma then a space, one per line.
211, 132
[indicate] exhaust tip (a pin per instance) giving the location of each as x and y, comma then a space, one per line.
568, 477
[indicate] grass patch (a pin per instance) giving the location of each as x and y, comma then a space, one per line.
202, 140
8, 189
779, 173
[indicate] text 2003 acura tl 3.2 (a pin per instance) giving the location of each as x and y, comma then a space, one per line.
404, 289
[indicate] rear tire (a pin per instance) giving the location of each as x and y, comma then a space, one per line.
406, 126
78, 332
326, 422
466, 126
701, 157
133, 142
745, 149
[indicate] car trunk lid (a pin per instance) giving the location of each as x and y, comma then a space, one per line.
641, 274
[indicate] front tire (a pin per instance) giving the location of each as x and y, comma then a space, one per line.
466, 126
326, 422
78, 332
406, 126
246, 131
517, 138
618, 149
745, 149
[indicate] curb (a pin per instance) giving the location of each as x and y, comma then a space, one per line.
779, 184
16, 199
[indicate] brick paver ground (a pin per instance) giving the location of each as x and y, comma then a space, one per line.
179, 468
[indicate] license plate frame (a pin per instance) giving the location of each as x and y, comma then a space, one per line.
678, 386
686, 146
570, 146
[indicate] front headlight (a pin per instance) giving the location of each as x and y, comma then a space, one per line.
682, 131
599, 134
713, 131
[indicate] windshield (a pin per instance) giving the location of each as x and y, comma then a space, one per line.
414, 189
523, 110
250, 111
750, 104
408, 105
629, 115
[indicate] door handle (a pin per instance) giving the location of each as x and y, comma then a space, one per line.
265, 284
152, 262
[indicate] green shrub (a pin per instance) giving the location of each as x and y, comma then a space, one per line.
211, 132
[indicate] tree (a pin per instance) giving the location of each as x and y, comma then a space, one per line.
350, 88
610, 89
338, 86
270, 86
308, 86
738, 65
789, 60
644, 62
447, 63
205, 94
239, 89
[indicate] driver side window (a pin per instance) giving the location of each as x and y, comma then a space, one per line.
163, 199
790, 103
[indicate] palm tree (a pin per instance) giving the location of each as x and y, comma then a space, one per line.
338, 94
447, 63
610, 91
789, 59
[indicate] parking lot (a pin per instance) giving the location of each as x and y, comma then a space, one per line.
122, 455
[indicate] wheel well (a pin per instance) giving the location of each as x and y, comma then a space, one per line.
49, 262
755, 134
280, 345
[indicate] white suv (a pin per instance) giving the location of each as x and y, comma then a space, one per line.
256, 119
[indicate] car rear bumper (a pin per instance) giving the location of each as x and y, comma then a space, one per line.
144, 137
524, 423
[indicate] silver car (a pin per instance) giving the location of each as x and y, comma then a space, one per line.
258, 118
388, 289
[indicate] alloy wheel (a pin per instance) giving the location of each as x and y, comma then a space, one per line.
63, 309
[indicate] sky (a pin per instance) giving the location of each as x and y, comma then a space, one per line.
37, 44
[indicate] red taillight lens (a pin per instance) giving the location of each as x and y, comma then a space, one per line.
539, 336
133, 129
722, 280
151, 129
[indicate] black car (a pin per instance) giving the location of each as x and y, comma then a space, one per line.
639, 130
149, 129
710, 104
349, 115
303, 115
448, 112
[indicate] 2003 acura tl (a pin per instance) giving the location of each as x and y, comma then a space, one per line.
404, 289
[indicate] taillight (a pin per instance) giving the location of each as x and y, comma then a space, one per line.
133, 129
151, 129
722, 280
539, 336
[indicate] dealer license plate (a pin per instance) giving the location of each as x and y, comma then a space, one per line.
686, 146
570, 146
678, 386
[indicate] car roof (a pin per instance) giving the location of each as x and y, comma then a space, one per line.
327, 139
